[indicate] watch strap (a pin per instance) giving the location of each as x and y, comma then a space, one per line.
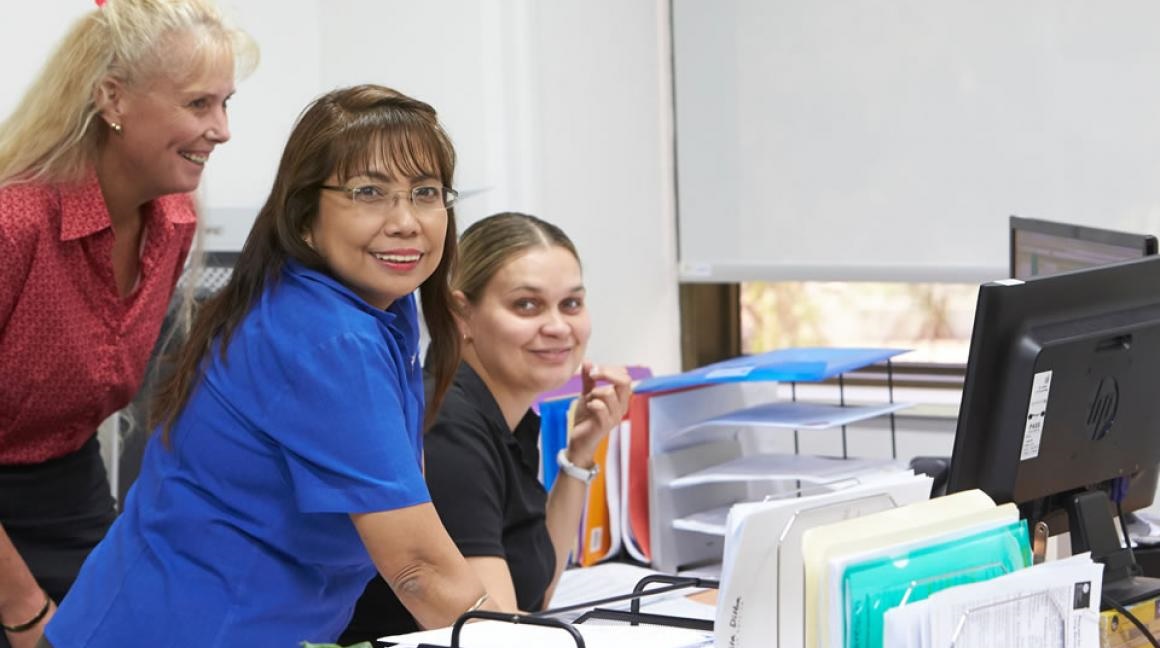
585, 475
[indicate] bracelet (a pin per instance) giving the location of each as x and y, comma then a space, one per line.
30, 624
478, 603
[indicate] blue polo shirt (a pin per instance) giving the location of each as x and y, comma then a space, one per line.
239, 534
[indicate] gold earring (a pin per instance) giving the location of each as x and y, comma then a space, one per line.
116, 127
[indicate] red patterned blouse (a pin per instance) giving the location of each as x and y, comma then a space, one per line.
72, 351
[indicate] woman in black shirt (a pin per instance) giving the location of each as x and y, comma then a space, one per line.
525, 327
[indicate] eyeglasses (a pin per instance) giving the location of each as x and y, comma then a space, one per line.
424, 198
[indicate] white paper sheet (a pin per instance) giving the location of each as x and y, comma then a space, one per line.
711, 522
599, 581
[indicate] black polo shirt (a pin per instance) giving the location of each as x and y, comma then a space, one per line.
484, 482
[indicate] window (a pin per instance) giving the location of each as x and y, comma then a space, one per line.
933, 319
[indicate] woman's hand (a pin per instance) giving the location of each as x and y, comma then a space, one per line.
21, 598
598, 410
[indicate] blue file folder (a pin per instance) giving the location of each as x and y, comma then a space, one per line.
805, 364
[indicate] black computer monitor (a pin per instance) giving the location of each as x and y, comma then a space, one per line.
1062, 390
1042, 247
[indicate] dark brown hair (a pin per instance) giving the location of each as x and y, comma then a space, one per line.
344, 133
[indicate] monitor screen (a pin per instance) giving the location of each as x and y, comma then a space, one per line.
1040, 247
1061, 385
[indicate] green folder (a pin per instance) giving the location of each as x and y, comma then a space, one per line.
871, 587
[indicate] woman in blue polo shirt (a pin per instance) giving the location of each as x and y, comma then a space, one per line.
287, 468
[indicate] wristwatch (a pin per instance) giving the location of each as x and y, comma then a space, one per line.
585, 475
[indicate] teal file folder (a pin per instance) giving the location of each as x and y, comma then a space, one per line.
874, 586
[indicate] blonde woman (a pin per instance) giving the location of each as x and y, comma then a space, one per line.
97, 163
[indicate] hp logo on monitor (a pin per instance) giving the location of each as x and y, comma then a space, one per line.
1104, 406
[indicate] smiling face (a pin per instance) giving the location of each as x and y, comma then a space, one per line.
529, 329
170, 124
382, 250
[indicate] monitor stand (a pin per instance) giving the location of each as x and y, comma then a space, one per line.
1092, 529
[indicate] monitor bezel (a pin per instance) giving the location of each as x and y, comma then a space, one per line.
1147, 244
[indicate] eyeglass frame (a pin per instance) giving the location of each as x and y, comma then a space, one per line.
450, 196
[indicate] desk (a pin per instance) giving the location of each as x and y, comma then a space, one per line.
581, 585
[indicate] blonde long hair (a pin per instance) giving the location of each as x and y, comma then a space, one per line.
53, 135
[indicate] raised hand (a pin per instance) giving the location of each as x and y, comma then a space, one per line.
598, 410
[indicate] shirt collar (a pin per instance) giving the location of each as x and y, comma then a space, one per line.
400, 315
525, 438
83, 211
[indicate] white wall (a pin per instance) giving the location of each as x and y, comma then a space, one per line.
28, 35
238, 178
561, 109
603, 103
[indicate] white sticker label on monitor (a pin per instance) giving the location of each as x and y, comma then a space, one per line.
1036, 415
